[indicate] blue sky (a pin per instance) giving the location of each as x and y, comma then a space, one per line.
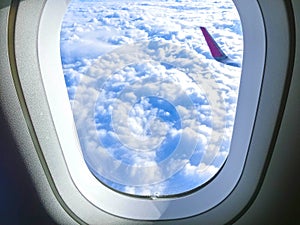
154, 112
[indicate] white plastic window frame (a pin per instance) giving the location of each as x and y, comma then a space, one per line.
163, 208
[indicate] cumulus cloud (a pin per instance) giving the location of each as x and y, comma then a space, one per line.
151, 108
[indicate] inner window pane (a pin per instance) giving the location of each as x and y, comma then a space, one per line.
153, 106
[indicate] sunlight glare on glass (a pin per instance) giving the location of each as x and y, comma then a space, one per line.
154, 111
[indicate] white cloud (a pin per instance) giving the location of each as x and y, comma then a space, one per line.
115, 57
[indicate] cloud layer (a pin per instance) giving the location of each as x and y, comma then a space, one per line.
153, 111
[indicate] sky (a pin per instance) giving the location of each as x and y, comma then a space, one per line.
154, 112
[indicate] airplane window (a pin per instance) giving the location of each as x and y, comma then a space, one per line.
153, 87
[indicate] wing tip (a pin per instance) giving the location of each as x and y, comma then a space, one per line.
215, 49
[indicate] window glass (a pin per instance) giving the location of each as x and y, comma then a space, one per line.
153, 98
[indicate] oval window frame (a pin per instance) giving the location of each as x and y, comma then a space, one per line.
165, 208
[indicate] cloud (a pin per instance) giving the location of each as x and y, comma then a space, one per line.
146, 95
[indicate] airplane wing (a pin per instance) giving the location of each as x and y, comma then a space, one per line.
216, 51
